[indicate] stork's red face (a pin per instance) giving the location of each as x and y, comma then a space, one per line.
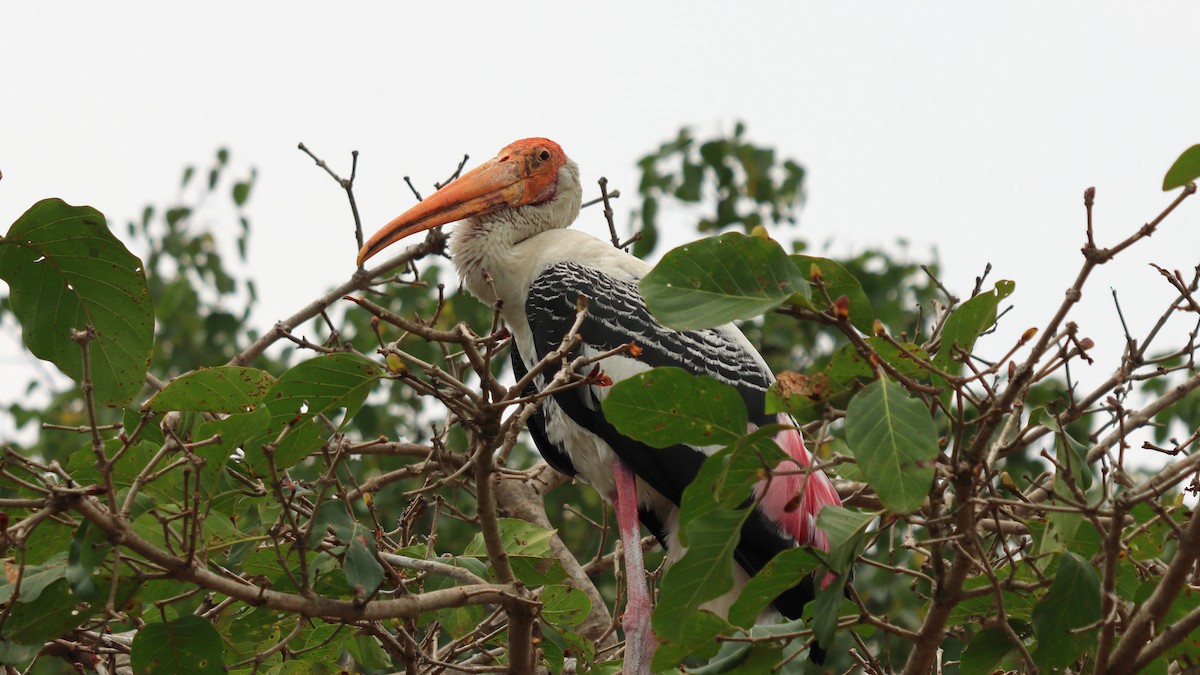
524, 173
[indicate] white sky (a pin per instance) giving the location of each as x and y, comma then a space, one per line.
954, 125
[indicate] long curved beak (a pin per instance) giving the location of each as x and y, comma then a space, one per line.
491, 186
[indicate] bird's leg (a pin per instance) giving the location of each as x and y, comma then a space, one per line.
639, 637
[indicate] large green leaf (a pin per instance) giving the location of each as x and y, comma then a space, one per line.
188, 644
720, 279
704, 572
322, 385
967, 323
1185, 169
368, 653
363, 571
224, 389
564, 606
331, 514
528, 549
319, 386
66, 271
692, 636
895, 443
666, 406
985, 651
519, 537
1061, 528
56, 612
1072, 604
35, 579
779, 574
235, 432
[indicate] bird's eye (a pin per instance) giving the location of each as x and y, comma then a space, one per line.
544, 155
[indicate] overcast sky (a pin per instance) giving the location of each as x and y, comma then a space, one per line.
955, 126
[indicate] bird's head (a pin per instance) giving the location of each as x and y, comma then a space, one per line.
533, 177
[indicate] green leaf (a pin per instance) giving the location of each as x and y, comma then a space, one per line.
1152, 537
720, 279
792, 650
520, 538
88, 549
581, 648
731, 658
981, 606
318, 386
34, 580
1061, 527
895, 442
66, 271
55, 613
666, 406
363, 571
847, 533
1073, 455
528, 549
725, 479
847, 364
1185, 169
689, 188
649, 232
188, 644
151, 430
322, 385
368, 653
564, 606
235, 432
13, 654
825, 609
838, 281
985, 651
304, 439
331, 514
224, 389
781, 573
693, 636
1072, 603
241, 193
967, 323
704, 572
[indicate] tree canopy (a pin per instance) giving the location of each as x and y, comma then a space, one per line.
351, 489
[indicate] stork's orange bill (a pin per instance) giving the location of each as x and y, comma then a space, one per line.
523, 173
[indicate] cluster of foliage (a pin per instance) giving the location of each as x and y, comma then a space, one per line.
373, 506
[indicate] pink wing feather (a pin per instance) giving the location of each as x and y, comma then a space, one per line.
815, 490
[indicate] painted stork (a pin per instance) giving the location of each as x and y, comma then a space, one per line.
513, 248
